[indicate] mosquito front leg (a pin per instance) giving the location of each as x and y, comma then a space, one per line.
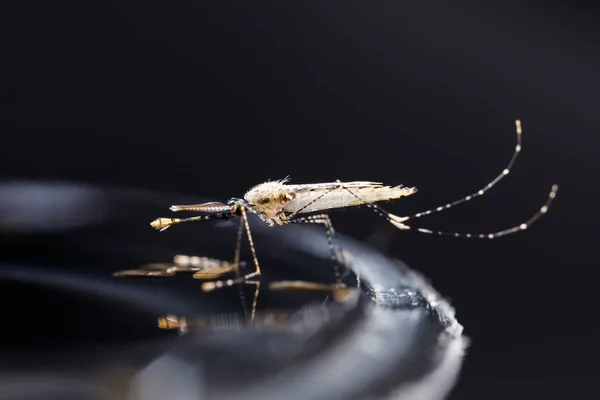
246, 279
236, 259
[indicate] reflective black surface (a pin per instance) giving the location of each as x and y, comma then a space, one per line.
75, 323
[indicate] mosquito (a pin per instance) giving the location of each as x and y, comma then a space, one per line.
280, 203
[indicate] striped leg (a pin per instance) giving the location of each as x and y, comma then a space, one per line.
246, 279
398, 221
334, 248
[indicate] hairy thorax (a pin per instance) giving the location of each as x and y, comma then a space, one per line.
269, 199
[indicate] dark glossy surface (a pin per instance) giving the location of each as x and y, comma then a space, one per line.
211, 98
86, 327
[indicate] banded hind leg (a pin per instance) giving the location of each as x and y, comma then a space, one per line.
399, 222
339, 290
334, 248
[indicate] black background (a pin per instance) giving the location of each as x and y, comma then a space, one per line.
213, 97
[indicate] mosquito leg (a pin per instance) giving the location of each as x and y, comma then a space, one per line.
492, 183
334, 248
399, 221
254, 297
221, 211
209, 286
236, 261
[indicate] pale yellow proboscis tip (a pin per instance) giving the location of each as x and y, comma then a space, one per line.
163, 223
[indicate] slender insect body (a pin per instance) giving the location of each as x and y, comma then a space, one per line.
276, 202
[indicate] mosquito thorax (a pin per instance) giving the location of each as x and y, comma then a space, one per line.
269, 198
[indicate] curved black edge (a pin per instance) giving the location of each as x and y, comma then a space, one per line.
403, 322
399, 338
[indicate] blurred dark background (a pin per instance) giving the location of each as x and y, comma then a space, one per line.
211, 98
